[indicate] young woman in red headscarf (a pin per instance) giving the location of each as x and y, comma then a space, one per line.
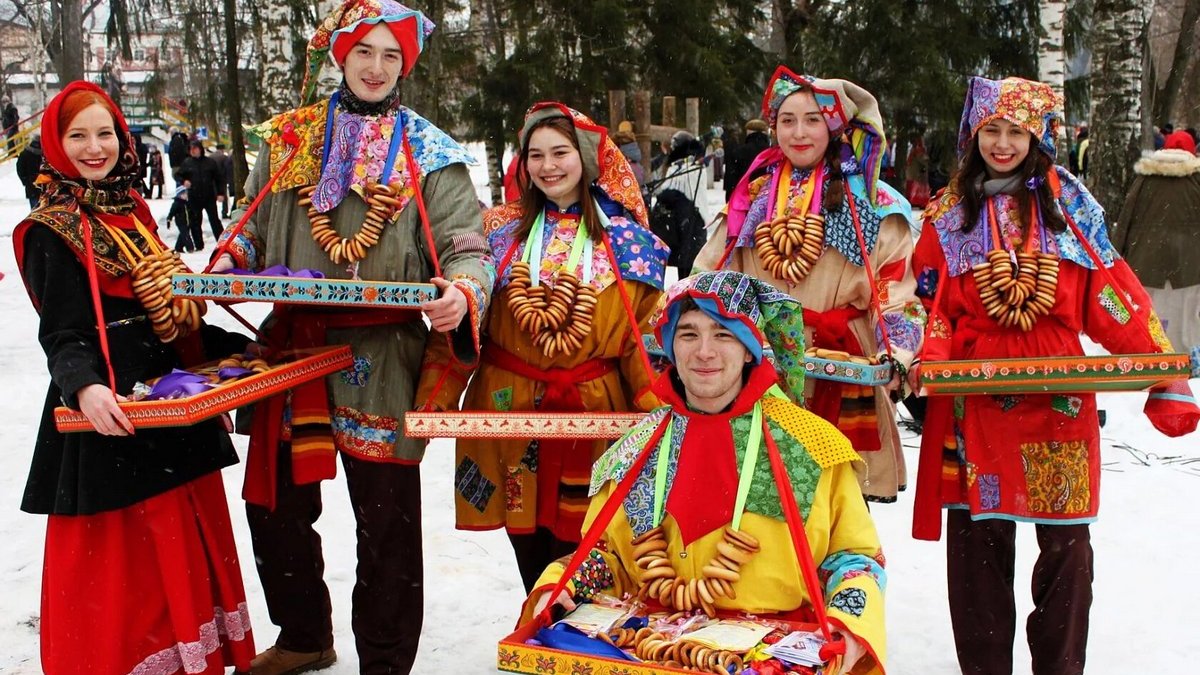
141, 574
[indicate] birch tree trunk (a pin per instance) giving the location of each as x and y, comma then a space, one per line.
279, 75
1052, 56
330, 76
1118, 50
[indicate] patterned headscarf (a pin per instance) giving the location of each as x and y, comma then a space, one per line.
66, 196
350, 22
1033, 106
849, 110
755, 311
603, 164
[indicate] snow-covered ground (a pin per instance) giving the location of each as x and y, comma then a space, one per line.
473, 591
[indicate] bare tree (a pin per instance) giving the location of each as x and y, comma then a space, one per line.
1118, 53
1182, 61
233, 104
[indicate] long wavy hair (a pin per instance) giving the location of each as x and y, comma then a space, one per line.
967, 182
533, 200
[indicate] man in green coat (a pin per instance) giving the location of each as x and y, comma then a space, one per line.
376, 192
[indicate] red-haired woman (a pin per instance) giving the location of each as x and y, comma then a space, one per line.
140, 573
580, 212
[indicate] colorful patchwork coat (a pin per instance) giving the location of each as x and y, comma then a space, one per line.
838, 285
819, 460
496, 483
1029, 457
367, 402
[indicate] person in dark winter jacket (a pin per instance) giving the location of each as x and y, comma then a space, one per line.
181, 218
29, 164
202, 177
177, 152
676, 220
627, 144
155, 168
739, 157
11, 120
221, 157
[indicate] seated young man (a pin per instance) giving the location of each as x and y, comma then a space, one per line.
705, 499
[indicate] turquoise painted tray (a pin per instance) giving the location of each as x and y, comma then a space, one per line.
301, 291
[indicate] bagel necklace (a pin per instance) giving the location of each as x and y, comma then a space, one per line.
382, 202
381, 209
169, 316
1016, 287
790, 243
658, 577
557, 318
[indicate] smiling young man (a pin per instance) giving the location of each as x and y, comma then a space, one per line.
718, 474
374, 191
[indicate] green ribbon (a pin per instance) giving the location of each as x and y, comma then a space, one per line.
533, 249
745, 476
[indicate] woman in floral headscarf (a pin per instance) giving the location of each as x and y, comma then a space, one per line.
812, 217
1016, 262
575, 259
140, 572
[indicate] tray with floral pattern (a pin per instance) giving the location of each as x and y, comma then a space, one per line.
521, 653
477, 424
290, 369
301, 290
1121, 372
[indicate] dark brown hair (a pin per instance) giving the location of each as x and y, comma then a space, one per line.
968, 181
533, 200
835, 182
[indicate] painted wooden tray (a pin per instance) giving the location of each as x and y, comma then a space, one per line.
1124, 372
519, 425
835, 369
515, 655
296, 367
301, 291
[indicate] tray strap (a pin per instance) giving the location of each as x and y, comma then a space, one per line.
1118, 290
795, 522
94, 287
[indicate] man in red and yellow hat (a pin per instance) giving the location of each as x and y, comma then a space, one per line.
364, 188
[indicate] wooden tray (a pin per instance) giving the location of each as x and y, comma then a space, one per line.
519, 425
298, 367
513, 655
1073, 374
301, 291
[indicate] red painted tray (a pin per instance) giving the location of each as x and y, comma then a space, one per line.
1123, 372
294, 368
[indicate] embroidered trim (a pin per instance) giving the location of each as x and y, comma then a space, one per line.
192, 657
